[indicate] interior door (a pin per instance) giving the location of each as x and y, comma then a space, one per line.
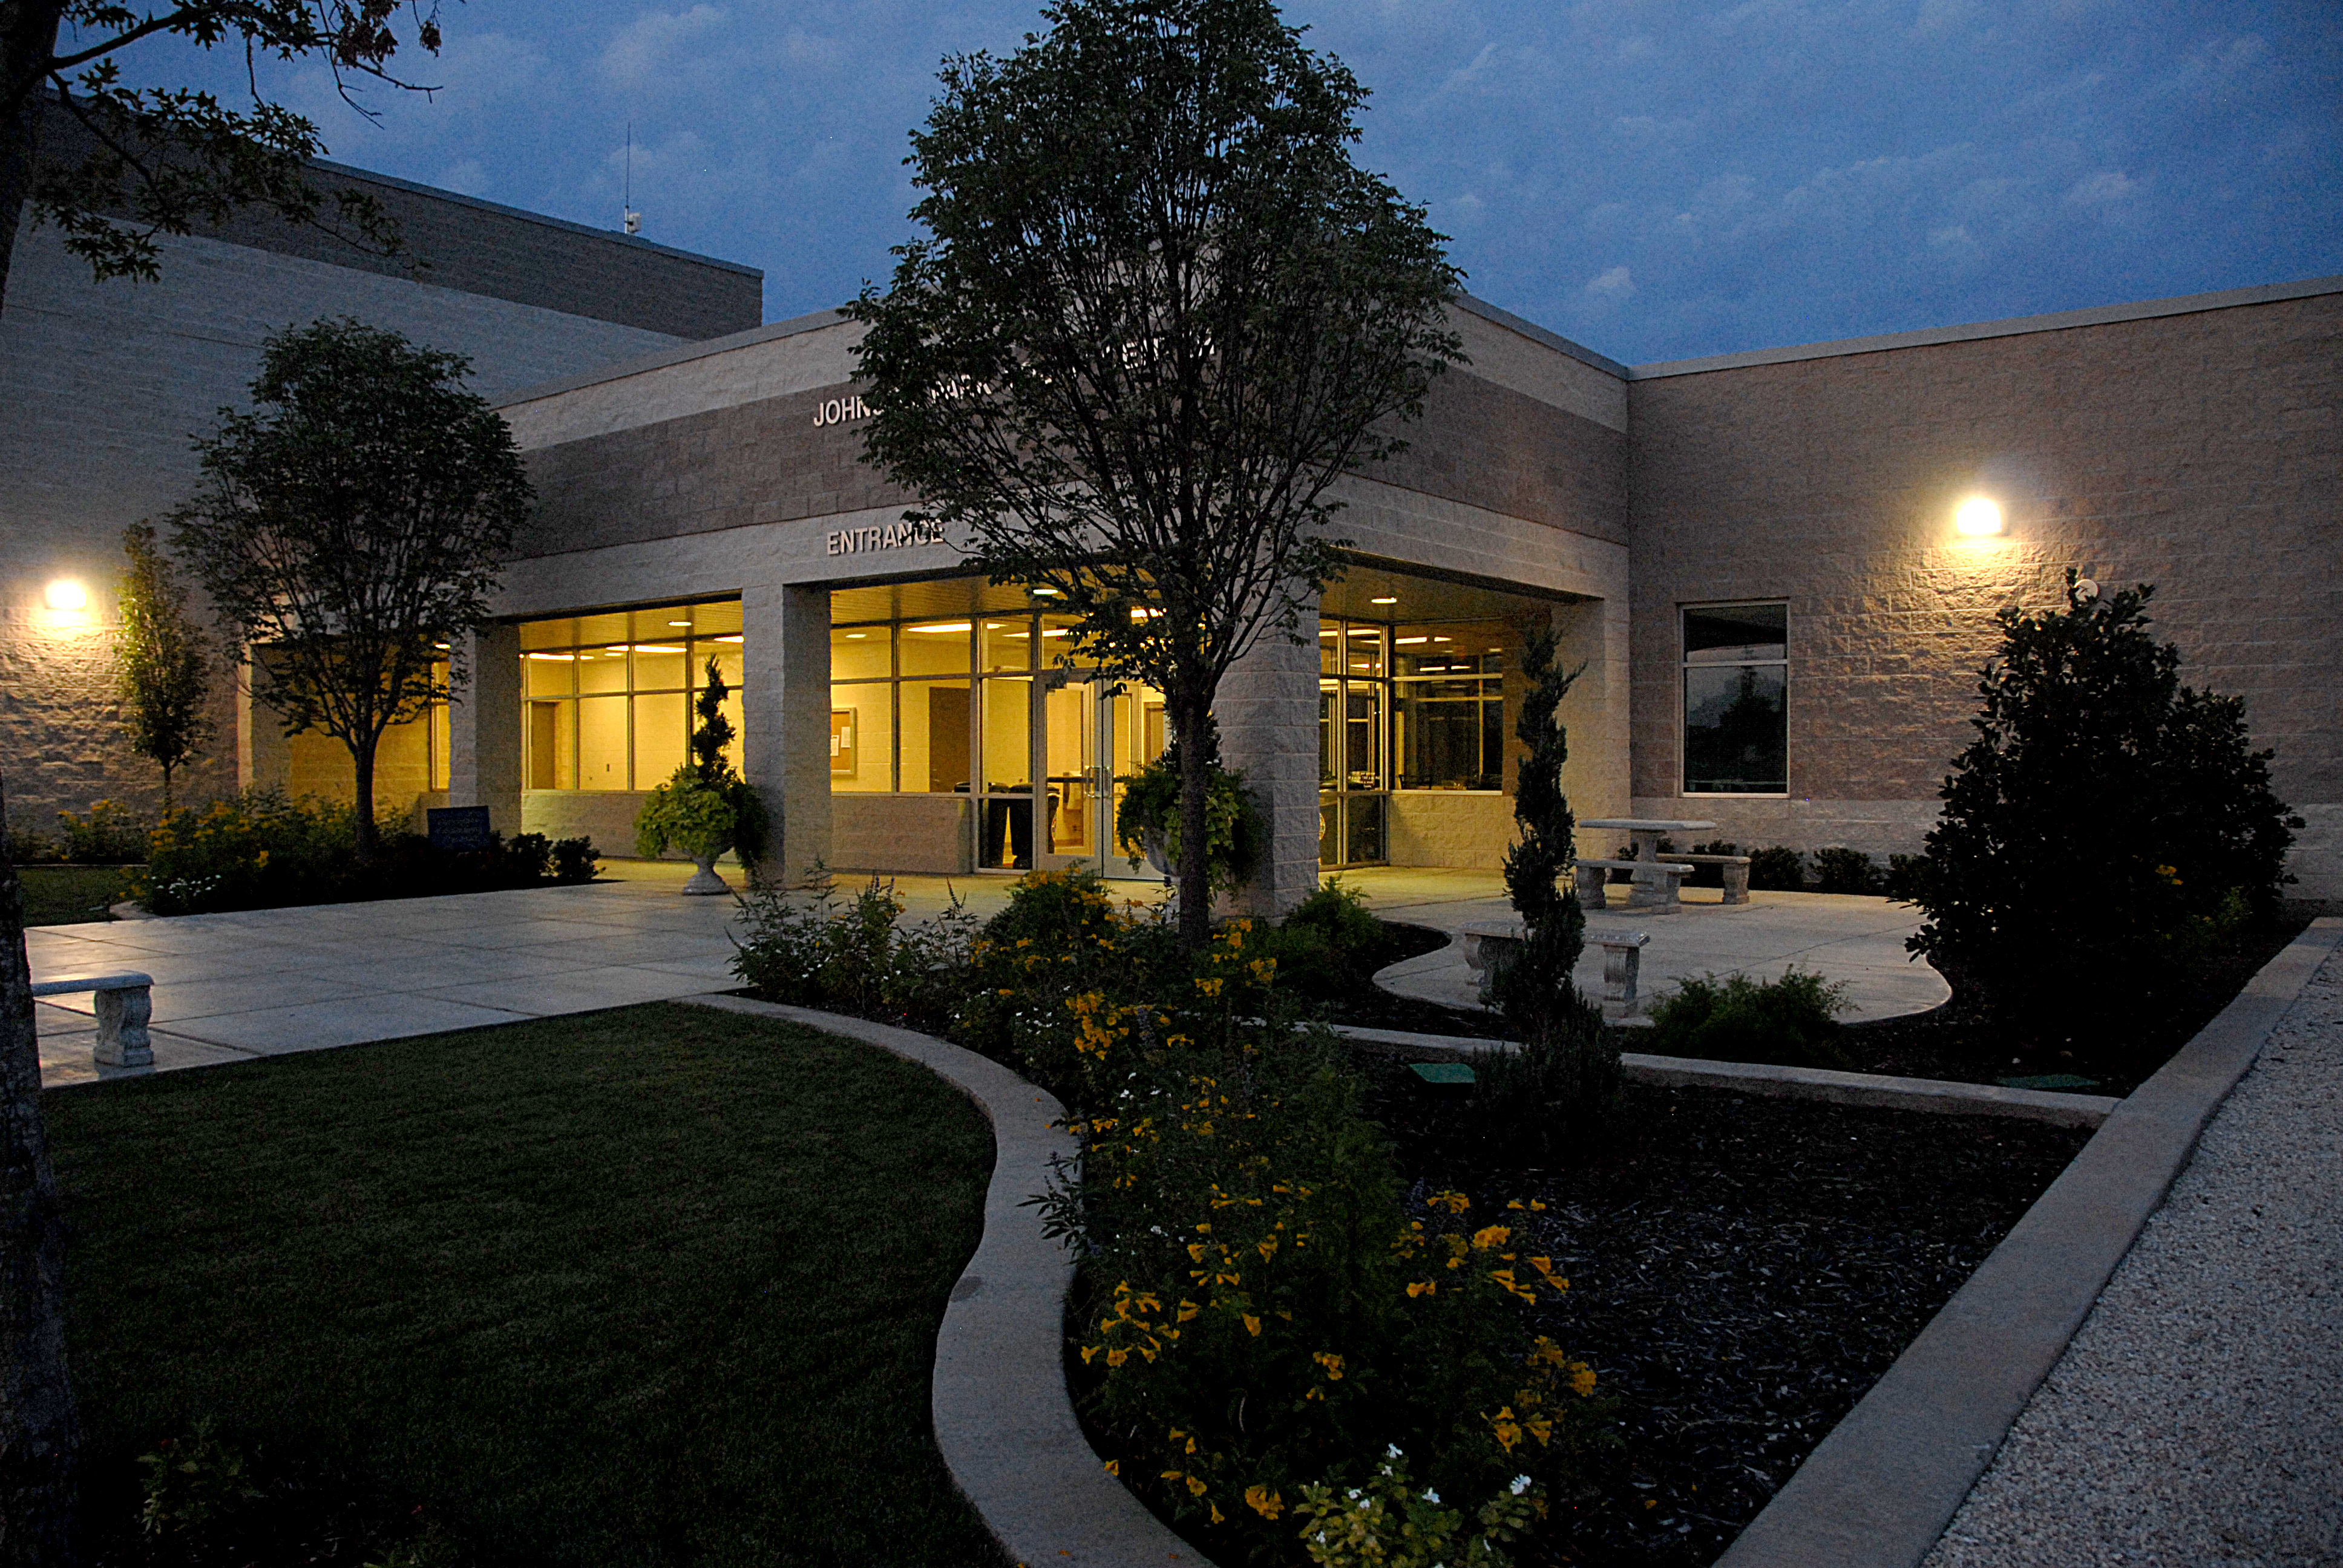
1076, 740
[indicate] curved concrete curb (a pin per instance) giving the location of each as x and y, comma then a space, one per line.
1865, 1089
1003, 1418
1878, 1491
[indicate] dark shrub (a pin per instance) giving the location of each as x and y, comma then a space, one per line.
1906, 877
1777, 870
1708, 876
2106, 823
528, 857
575, 860
1327, 943
107, 834
1788, 1022
1838, 870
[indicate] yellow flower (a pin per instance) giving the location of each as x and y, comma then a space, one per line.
1196, 1485
1583, 1379
1114, 1467
1264, 1502
1331, 1362
1491, 1236
1210, 987
1189, 1309
1421, 1287
1251, 1323
1455, 1203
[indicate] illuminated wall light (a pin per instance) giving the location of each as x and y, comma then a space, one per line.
1978, 518
66, 594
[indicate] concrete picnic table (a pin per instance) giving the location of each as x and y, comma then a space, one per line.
1651, 887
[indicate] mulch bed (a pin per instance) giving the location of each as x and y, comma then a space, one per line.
1742, 1269
1962, 1041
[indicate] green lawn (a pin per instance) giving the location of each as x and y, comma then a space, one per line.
651, 1286
67, 895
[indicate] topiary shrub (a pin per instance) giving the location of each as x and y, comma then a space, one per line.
1708, 876
1789, 1023
1777, 868
1555, 1098
2106, 823
1838, 870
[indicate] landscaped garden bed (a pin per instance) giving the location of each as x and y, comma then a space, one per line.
1963, 1040
652, 1285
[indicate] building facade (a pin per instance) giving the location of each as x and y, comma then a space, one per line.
1754, 558
105, 385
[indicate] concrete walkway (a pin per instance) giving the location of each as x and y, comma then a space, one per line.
1842, 937
2196, 1421
229, 988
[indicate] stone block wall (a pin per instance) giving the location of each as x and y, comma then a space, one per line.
2202, 452
107, 386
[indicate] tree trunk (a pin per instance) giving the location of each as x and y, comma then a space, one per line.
362, 772
40, 1435
1199, 742
28, 36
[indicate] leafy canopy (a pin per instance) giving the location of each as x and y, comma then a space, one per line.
2105, 821
351, 532
159, 661
112, 165
1157, 313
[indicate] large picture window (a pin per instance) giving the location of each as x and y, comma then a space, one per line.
1448, 705
606, 699
1736, 682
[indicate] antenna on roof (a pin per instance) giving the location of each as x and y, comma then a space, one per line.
634, 218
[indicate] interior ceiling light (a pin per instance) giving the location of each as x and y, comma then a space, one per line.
1382, 601
66, 594
734, 638
856, 636
1403, 641
656, 647
678, 623
939, 628
1978, 518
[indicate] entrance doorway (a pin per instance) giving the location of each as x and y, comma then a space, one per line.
1091, 730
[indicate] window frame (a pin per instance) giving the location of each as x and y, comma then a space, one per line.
1683, 717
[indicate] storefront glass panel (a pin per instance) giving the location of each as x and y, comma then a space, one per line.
602, 743
634, 675
861, 737
662, 734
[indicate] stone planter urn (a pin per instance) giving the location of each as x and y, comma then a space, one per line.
705, 881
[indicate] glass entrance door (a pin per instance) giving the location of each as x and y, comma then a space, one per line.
1090, 731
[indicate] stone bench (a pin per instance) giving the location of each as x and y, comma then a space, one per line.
1623, 970
1654, 886
1736, 871
126, 1002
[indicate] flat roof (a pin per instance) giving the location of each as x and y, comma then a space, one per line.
2057, 321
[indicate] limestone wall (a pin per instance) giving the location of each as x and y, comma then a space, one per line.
2201, 451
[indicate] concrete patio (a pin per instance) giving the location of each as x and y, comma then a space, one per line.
234, 986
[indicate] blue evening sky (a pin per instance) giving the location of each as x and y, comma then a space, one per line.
1655, 180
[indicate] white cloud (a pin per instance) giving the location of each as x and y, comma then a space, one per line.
1613, 286
2105, 188
649, 50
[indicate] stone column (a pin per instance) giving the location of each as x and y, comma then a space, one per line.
1268, 713
484, 732
785, 718
264, 757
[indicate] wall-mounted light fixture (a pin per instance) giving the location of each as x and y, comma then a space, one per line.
1978, 518
66, 594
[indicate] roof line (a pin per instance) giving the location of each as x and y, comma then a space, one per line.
2011, 326
613, 235
681, 355
1536, 334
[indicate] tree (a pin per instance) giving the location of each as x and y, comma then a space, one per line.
350, 533
39, 1426
157, 160
705, 808
1553, 1095
159, 661
1158, 313
2104, 824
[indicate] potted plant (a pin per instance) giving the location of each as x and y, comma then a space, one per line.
1147, 822
707, 808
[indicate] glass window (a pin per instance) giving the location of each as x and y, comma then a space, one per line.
935, 733
602, 743
1448, 705
862, 737
1736, 677
607, 698
861, 653
936, 648
662, 736
1008, 644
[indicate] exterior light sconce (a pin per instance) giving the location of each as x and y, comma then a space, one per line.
65, 594
1977, 518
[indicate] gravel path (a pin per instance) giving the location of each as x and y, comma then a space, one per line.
2196, 1420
